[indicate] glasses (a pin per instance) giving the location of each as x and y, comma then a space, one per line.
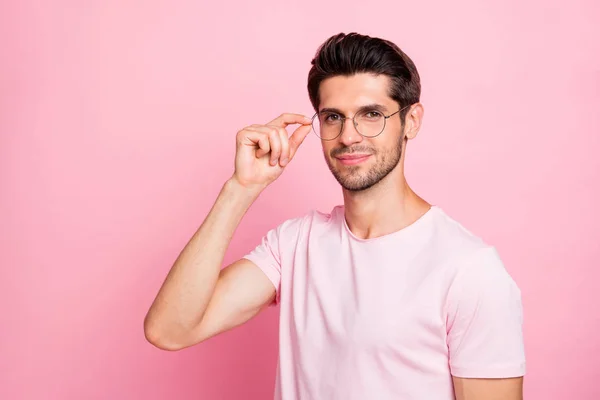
328, 125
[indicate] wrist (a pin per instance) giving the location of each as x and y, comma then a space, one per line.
241, 190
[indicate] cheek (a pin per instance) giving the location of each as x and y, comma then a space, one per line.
392, 143
327, 147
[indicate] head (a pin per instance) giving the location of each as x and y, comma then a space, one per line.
357, 74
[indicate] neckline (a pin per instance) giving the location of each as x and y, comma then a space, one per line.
409, 229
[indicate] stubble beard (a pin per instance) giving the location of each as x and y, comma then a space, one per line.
355, 179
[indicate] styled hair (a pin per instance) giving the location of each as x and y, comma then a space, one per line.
353, 53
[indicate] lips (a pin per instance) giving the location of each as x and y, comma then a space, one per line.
352, 159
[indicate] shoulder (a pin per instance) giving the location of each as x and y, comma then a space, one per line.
470, 259
453, 238
450, 245
479, 280
309, 221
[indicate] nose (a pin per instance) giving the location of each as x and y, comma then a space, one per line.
349, 134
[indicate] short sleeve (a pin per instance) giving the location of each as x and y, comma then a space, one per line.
266, 256
484, 320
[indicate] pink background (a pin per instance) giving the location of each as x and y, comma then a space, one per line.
117, 124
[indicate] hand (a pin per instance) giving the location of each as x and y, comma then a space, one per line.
262, 151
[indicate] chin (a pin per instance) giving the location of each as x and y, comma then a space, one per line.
355, 182
357, 186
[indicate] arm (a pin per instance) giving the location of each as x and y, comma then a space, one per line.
485, 337
488, 389
198, 300
194, 287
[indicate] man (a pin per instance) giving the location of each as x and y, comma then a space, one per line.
385, 297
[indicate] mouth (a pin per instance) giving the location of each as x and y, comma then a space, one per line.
353, 159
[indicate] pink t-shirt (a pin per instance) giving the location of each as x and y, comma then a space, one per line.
392, 317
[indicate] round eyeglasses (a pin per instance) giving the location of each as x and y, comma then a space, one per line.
328, 125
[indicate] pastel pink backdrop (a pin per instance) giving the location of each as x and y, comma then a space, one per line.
117, 131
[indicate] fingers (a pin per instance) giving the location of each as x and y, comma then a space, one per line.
298, 137
253, 137
288, 118
285, 147
275, 142
272, 138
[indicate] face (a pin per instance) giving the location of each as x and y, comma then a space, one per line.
358, 162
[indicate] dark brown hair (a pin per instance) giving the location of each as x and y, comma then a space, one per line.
349, 54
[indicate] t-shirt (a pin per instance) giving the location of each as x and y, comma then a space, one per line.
392, 317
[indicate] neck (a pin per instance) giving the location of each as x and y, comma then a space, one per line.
386, 207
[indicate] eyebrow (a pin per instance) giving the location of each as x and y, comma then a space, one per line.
369, 107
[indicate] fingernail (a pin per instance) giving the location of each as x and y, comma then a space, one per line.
284, 162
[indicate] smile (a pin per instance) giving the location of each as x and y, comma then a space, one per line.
353, 159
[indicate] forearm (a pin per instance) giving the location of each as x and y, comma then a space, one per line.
188, 287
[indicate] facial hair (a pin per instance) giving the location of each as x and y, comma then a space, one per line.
355, 180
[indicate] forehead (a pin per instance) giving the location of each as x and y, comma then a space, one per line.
350, 92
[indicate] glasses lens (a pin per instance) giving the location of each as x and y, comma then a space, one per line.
369, 123
327, 126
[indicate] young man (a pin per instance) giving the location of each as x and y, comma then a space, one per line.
385, 297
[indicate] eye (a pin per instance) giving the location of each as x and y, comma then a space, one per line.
331, 118
373, 114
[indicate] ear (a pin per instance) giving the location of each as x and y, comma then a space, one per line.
413, 120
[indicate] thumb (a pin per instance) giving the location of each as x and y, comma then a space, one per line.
298, 137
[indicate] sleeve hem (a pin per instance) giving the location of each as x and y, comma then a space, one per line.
270, 272
513, 371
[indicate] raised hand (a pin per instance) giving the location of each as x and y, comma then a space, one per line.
263, 151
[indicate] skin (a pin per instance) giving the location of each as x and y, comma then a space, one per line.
367, 211
199, 300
